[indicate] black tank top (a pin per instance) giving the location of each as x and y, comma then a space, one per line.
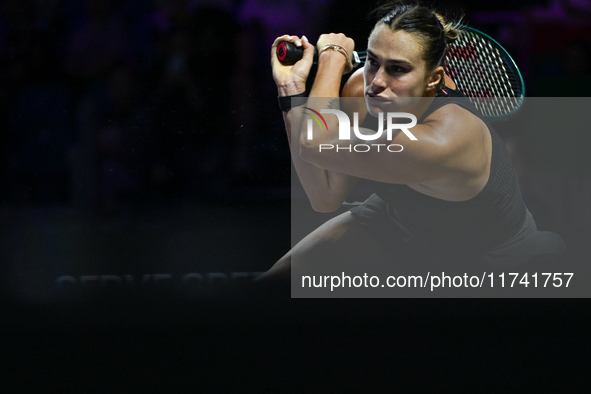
486, 220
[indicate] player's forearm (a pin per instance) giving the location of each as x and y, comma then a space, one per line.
331, 65
324, 95
326, 190
314, 179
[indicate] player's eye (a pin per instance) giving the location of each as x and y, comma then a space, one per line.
371, 61
396, 69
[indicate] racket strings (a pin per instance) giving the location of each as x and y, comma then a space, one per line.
480, 71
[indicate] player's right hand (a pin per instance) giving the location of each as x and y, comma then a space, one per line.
291, 79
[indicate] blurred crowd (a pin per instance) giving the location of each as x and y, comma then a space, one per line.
118, 102
106, 101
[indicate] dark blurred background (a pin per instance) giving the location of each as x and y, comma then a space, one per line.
112, 105
142, 138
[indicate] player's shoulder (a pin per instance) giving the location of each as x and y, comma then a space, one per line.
451, 105
353, 95
354, 87
453, 121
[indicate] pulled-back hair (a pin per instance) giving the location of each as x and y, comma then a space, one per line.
432, 29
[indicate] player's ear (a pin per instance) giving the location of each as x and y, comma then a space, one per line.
434, 78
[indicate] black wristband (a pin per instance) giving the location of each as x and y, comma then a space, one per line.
285, 102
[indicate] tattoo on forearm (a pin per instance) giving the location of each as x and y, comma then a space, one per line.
334, 104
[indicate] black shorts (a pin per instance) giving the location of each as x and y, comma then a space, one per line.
528, 245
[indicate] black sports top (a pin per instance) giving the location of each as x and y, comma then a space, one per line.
490, 218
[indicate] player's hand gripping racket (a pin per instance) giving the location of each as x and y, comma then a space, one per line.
288, 53
479, 66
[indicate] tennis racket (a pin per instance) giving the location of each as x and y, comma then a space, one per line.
479, 66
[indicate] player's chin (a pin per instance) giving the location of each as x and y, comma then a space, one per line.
375, 107
374, 111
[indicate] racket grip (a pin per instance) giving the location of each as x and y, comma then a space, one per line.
288, 53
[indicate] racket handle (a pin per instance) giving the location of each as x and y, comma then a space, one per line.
288, 53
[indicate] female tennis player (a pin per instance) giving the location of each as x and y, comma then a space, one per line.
451, 195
